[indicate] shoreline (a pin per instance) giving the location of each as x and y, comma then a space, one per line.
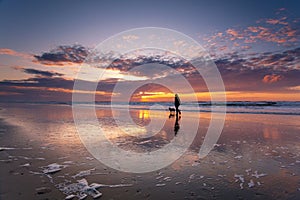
237, 107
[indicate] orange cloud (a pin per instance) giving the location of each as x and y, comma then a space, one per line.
277, 21
235, 35
272, 78
5, 51
57, 64
253, 29
232, 32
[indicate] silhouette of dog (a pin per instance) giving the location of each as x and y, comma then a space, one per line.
171, 109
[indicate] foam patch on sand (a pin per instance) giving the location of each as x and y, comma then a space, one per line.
6, 148
53, 168
241, 178
84, 173
12, 148
81, 189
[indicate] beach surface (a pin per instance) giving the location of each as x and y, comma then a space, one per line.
42, 156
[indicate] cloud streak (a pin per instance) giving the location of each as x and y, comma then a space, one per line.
5, 51
41, 73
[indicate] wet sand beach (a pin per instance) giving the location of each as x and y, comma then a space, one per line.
256, 157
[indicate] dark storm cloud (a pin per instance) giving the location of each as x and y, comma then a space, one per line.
53, 83
48, 82
63, 55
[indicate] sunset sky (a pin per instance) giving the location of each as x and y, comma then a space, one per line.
255, 45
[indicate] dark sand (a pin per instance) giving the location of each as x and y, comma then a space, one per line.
39, 135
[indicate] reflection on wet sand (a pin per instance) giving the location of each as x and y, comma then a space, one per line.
127, 135
271, 133
143, 114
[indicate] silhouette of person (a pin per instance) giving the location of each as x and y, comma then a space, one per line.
177, 104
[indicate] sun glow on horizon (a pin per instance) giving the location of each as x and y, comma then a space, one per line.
230, 96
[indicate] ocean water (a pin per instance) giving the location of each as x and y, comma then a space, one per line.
249, 107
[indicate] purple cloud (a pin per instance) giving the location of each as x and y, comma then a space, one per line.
63, 55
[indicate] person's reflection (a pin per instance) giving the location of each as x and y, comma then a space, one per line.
177, 126
177, 119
